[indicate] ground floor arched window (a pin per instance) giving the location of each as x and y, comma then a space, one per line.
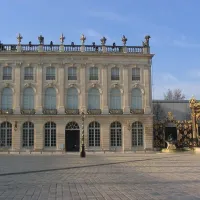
28, 134
6, 134
116, 134
50, 134
94, 134
137, 134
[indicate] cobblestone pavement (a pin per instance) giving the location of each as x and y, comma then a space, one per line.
111, 176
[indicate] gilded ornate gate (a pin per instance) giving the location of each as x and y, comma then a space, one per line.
184, 132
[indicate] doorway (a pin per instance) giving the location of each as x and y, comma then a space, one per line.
170, 134
72, 137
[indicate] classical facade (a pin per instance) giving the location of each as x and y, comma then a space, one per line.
45, 88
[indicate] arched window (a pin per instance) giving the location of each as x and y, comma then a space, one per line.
6, 134
94, 134
137, 134
72, 98
115, 99
50, 98
50, 134
116, 134
28, 98
93, 98
7, 99
28, 134
136, 99
115, 73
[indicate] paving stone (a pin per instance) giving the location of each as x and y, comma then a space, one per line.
110, 176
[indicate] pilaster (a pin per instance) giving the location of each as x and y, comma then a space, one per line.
126, 90
147, 85
39, 136
61, 109
16, 136
39, 88
60, 135
17, 88
105, 89
83, 87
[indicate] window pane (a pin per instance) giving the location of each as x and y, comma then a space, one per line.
115, 99
93, 73
7, 73
72, 98
6, 99
115, 73
28, 73
136, 98
93, 99
50, 98
50, 73
72, 73
135, 74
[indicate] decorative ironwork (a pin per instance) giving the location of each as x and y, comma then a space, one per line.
49, 111
6, 111
184, 132
116, 111
137, 111
94, 111
72, 126
72, 111
28, 111
82, 154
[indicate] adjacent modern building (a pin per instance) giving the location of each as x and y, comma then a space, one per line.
45, 88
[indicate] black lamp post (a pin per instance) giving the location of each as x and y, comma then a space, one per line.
82, 154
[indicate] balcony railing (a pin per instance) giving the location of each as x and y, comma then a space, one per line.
137, 111
116, 111
72, 48
28, 111
6, 111
72, 111
94, 111
49, 111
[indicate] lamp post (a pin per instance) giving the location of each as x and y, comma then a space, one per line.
82, 154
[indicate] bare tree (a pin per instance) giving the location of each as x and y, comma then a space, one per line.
175, 94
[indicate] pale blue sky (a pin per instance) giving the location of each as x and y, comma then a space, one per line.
172, 24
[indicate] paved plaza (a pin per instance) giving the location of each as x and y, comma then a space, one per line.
111, 176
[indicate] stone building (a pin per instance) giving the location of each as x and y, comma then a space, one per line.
44, 88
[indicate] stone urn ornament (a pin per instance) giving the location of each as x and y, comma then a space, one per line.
41, 39
83, 38
103, 41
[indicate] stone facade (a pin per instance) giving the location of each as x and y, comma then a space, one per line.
40, 59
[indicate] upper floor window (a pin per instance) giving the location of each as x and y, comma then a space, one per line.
115, 73
136, 99
28, 73
135, 74
7, 73
50, 73
7, 99
93, 73
72, 73
50, 98
28, 98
